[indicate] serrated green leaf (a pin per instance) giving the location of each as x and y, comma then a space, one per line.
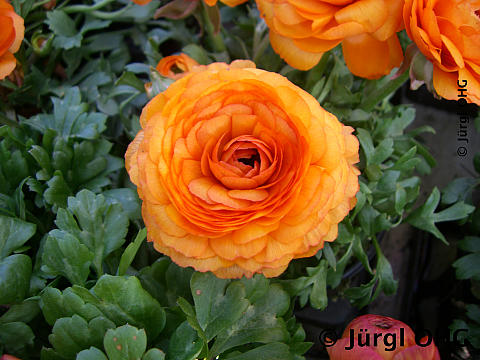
470, 243
218, 304
63, 254
13, 234
459, 189
260, 323
184, 343
70, 117
57, 191
15, 272
91, 354
425, 217
129, 200
154, 354
98, 226
15, 336
74, 334
123, 300
125, 343
467, 266
23, 312
56, 304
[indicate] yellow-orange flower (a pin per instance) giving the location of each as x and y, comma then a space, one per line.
176, 66
240, 171
11, 36
302, 30
376, 337
448, 34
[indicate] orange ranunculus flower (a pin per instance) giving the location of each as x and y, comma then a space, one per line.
11, 36
448, 34
395, 340
301, 31
176, 66
8, 357
240, 171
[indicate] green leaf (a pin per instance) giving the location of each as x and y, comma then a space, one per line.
57, 191
91, 354
70, 117
101, 227
15, 272
318, 296
424, 217
329, 255
23, 312
218, 304
184, 343
125, 343
74, 334
15, 336
261, 322
56, 304
63, 254
459, 189
382, 151
129, 200
128, 78
13, 234
130, 252
123, 300
154, 354
470, 243
64, 28
467, 266
277, 351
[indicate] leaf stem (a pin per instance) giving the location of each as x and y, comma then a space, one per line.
379, 94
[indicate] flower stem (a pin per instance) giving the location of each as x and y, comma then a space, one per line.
86, 8
378, 95
216, 40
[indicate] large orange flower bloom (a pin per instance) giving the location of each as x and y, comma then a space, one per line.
11, 36
240, 171
376, 337
302, 30
448, 34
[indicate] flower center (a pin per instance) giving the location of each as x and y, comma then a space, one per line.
252, 159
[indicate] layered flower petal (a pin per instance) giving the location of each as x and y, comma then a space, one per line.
301, 31
240, 171
448, 34
11, 35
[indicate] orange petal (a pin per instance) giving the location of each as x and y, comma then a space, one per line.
294, 56
445, 83
369, 58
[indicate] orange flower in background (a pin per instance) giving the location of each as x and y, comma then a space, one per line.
394, 341
240, 171
301, 31
11, 36
8, 357
448, 34
176, 66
